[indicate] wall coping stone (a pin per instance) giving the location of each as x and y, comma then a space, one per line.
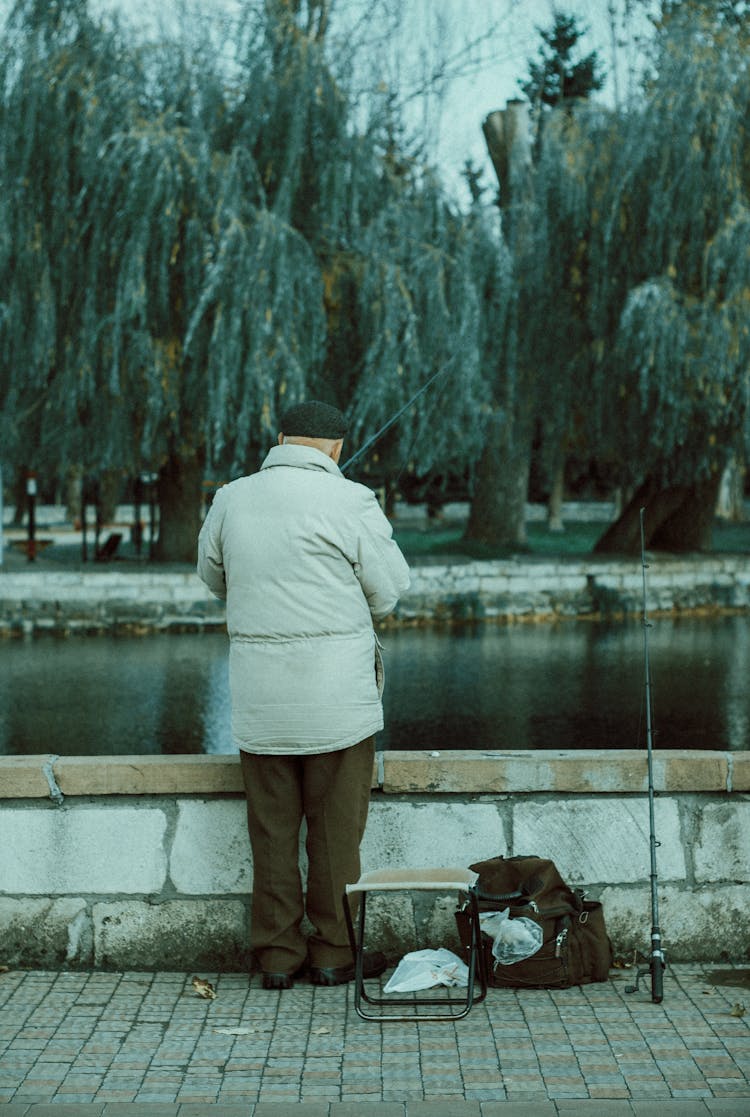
577, 771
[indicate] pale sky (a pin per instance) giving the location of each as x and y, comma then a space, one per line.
502, 59
487, 41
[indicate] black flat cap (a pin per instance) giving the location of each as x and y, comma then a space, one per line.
313, 420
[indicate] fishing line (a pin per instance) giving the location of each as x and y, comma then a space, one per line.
394, 418
428, 414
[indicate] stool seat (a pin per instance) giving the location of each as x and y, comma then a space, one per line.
414, 880
427, 879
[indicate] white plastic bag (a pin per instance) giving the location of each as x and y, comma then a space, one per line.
513, 939
421, 969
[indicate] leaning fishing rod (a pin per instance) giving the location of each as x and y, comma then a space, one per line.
394, 418
656, 963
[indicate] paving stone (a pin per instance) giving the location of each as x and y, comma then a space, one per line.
519, 1109
604, 1108
442, 1109
669, 1107
359, 1109
195, 1109
139, 1109
294, 1109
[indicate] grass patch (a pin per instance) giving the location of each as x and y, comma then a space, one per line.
729, 538
577, 539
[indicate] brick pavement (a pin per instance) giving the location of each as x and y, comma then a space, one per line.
144, 1043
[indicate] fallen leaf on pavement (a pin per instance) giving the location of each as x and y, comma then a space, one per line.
737, 1009
204, 989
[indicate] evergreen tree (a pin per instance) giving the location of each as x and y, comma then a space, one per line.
557, 76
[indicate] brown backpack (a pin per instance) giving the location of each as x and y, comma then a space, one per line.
575, 946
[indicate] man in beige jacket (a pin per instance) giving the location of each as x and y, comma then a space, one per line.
307, 562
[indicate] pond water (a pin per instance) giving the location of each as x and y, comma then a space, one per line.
569, 685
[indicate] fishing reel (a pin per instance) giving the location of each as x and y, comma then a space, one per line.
656, 967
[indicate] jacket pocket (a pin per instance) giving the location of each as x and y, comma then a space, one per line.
379, 668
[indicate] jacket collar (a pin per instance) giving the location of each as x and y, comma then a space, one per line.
301, 457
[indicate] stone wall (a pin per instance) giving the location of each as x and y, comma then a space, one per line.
143, 862
145, 599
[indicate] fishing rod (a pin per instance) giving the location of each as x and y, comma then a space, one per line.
656, 963
394, 418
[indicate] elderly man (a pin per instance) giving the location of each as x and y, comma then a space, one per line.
306, 562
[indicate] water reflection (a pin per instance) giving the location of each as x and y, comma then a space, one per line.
569, 685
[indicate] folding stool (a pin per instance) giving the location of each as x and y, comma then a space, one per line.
417, 880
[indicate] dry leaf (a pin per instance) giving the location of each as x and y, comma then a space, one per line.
321, 1031
737, 1009
204, 989
235, 1031
4, 969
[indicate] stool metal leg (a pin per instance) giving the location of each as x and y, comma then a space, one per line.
477, 974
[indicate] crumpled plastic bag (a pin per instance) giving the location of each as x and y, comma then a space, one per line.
512, 939
422, 969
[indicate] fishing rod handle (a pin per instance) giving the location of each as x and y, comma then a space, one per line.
657, 980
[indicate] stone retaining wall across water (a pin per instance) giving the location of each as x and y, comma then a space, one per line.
522, 588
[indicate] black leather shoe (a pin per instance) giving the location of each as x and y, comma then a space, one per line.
373, 965
280, 980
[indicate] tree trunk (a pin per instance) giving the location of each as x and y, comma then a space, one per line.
180, 481
73, 487
556, 496
110, 490
678, 518
730, 504
498, 508
19, 496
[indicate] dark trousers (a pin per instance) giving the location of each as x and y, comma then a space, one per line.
332, 792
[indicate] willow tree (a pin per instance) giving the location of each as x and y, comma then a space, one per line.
160, 299
420, 312
55, 65
634, 273
539, 361
671, 246
196, 233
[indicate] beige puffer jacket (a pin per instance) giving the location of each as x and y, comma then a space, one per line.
306, 561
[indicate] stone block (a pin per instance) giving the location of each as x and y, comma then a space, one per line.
54, 850
449, 771
405, 834
148, 775
524, 584
690, 770
710, 925
516, 771
391, 925
600, 841
722, 850
211, 849
22, 777
189, 934
740, 771
44, 933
